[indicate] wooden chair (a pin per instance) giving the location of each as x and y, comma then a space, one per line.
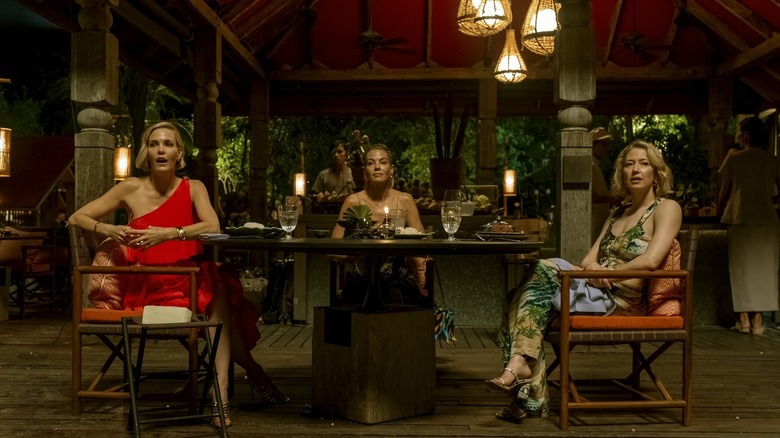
33, 270
338, 265
662, 332
106, 325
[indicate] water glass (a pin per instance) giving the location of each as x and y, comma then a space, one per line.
454, 198
288, 219
450, 220
397, 218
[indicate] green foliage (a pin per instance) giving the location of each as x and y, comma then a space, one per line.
676, 138
532, 152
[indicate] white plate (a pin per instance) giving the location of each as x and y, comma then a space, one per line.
412, 236
506, 236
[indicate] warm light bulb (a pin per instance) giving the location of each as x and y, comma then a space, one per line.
545, 21
121, 163
300, 184
509, 182
490, 8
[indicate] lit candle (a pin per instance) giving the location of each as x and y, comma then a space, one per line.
387, 212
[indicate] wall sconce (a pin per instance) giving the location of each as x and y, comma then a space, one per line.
540, 26
511, 66
5, 152
299, 181
121, 163
510, 186
483, 18
510, 182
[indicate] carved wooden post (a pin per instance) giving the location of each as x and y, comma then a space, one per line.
486, 146
260, 150
575, 89
94, 89
208, 111
720, 99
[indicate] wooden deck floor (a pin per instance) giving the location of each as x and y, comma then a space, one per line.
735, 391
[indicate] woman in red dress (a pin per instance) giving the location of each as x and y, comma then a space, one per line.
167, 216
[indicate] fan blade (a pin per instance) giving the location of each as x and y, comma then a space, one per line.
393, 41
403, 50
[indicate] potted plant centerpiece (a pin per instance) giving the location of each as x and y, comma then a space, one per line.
448, 169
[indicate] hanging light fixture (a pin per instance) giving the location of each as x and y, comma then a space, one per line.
511, 67
121, 163
540, 26
467, 11
5, 152
492, 16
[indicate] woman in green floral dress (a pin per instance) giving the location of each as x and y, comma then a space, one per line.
637, 235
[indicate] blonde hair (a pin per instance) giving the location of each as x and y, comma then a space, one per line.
142, 160
662, 174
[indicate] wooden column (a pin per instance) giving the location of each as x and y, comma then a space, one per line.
260, 150
575, 90
208, 111
94, 90
486, 146
720, 103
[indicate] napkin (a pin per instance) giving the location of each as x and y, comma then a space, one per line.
213, 236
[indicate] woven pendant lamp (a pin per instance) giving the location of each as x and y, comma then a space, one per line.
511, 67
540, 27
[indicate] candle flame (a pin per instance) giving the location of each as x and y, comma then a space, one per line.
386, 210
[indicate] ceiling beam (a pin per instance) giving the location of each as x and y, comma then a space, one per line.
211, 17
751, 58
712, 22
418, 74
767, 91
149, 27
612, 31
747, 16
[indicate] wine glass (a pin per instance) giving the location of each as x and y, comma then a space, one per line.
450, 219
288, 219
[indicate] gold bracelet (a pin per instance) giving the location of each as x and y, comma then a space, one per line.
181, 233
94, 229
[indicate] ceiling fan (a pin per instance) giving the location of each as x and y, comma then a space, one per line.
637, 42
371, 40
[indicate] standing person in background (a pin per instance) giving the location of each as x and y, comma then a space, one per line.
749, 190
601, 201
337, 179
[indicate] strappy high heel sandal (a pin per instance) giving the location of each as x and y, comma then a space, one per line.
514, 413
498, 383
266, 393
215, 421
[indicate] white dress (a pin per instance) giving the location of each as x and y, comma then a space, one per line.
753, 229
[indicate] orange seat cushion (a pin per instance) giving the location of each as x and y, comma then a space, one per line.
588, 322
107, 315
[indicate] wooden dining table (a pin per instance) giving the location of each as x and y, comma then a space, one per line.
375, 362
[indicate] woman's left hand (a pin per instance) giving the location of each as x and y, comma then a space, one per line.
143, 239
602, 283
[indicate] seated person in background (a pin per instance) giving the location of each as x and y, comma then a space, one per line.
637, 235
335, 182
406, 273
167, 215
235, 207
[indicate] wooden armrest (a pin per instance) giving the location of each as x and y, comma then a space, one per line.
567, 275
631, 273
